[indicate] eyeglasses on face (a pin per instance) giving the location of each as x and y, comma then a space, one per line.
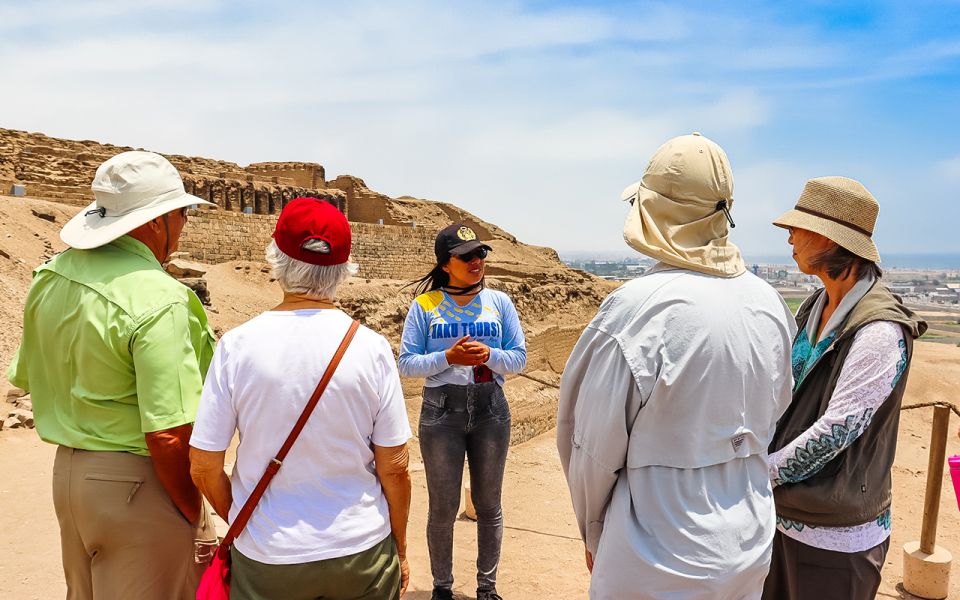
480, 253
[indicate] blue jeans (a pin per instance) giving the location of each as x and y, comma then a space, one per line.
458, 420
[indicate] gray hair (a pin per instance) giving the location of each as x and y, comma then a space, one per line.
298, 277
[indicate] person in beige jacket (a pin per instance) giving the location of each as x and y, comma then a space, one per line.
671, 396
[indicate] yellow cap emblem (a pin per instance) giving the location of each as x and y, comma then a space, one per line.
466, 234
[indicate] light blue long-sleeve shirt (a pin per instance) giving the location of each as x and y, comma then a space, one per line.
435, 323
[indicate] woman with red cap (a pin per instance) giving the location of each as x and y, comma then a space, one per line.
463, 338
332, 522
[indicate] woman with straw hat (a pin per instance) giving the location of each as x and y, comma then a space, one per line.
833, 449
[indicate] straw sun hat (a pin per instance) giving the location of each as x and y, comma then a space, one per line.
131, 188
841, 210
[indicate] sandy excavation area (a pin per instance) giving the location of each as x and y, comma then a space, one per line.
542, 554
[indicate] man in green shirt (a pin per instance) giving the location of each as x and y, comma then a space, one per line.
114, 351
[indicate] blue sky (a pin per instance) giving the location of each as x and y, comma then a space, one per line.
532, 115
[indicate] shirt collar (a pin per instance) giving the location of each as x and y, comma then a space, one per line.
135, 246
850, 299
662, 266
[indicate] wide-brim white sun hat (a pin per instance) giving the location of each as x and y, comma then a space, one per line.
131, 188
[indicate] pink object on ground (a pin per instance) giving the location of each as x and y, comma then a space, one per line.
955, 476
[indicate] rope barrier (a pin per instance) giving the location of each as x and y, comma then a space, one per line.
952, 407
540, 381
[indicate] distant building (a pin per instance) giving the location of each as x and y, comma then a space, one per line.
622, 270
944, 295
903, 290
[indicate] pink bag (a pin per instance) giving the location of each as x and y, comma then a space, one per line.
215, 581
955, 476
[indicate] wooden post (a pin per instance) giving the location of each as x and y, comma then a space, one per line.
926, 566
931, 501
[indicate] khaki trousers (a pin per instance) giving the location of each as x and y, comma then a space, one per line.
121, 536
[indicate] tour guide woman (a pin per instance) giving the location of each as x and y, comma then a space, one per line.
463, 338
831, 455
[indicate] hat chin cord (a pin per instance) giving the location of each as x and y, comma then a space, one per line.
722, 205
166, 228
463, 291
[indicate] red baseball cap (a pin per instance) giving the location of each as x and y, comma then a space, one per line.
313, 231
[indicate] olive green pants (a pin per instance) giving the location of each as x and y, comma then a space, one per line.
373, 574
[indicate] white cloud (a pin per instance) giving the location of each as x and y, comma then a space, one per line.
949, 169
17, 15
764, 190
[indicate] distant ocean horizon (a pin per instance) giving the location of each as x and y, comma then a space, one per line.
934, 261
947, 262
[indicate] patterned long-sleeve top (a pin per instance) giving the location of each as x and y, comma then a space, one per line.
875, 363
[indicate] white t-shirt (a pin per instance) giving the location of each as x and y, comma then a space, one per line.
326, 500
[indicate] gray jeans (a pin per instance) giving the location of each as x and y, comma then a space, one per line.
458, 420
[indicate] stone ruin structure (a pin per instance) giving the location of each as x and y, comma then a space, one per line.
392, 237
62, 170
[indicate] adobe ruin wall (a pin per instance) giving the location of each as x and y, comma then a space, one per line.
381, 251
363, 204
393, 238
61, 170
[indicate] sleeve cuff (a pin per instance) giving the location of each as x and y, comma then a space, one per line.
594, 530
200, 444
154, 424
390, 442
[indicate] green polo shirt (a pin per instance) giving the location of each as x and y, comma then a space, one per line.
113, 347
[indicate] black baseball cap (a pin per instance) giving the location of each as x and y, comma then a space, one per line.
456, 239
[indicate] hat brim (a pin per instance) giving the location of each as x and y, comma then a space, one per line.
87, 229
854, 241
467, 247
631, 191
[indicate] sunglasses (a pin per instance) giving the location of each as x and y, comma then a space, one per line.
480, 253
